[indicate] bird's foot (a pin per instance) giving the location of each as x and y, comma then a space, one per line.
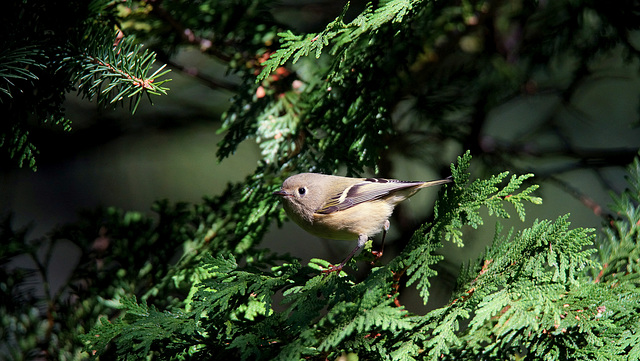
377, 255
333, 268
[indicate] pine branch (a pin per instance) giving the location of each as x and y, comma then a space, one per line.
540, 292
44, 59
113, 74
15, 64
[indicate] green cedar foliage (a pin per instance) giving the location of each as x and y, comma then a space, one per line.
192, 285
544, 292
113, 260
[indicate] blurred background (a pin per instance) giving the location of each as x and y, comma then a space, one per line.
167, 151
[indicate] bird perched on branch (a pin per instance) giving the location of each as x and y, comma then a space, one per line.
345, 208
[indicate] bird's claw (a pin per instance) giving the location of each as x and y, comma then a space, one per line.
333, 268
377, 255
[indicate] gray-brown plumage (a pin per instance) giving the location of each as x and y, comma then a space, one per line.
345, 208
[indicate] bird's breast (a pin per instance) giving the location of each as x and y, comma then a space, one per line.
366, 218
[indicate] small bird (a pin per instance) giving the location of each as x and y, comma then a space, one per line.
345, 208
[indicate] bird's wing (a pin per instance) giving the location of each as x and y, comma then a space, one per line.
367, 190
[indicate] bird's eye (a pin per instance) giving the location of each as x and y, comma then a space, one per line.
302, 191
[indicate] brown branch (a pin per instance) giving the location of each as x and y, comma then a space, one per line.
205, 45
587, 201
209, 81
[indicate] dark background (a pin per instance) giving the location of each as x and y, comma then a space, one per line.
167, 151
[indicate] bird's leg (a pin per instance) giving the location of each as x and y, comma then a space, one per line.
362, 239
378, 254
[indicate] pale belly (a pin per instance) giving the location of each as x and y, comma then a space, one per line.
366, 218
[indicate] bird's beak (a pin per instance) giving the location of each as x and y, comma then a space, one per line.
281, 193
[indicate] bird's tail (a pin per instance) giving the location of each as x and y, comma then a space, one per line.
449, 179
